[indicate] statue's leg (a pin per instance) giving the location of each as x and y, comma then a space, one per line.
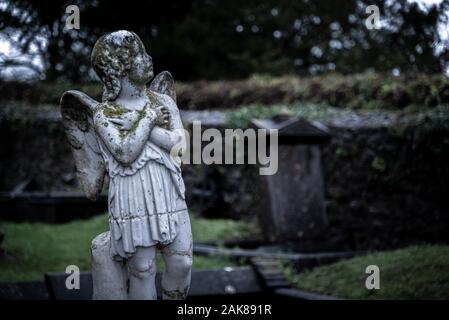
178, 263
142, 273
108, 275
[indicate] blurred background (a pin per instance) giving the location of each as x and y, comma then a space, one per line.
380, 177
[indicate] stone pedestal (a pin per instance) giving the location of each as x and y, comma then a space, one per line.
109, 276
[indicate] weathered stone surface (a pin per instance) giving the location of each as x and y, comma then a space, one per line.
76, 110
293, 205
108, 275
131, 136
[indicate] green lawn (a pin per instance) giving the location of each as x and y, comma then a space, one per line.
418, 272
35, 248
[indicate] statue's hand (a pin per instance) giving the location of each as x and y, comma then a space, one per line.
162, 116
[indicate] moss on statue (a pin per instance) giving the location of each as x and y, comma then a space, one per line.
112, 109
142, 114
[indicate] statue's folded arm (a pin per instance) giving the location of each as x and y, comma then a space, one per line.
125, 147
168, 139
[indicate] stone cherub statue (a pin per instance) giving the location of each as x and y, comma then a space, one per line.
136, 138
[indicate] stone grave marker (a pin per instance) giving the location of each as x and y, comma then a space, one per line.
292, 201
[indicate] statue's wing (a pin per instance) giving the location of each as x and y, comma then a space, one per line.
77, 111
164, 83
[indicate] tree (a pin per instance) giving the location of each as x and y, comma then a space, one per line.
231, 39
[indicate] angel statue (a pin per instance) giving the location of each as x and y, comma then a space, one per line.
134, 138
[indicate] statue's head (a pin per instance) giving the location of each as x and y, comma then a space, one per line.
117, 55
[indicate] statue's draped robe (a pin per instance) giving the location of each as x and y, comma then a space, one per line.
146, 200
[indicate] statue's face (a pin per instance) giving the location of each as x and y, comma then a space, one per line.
141, 68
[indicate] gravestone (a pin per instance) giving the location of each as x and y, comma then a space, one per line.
292, 201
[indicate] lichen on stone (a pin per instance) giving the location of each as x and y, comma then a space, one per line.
133, 128
177, 294
112, 109
154, 99
119, 151
112, 57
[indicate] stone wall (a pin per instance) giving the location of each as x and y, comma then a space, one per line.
35, 150
385, 190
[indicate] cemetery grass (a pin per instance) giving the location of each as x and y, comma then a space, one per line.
417, 272
31, 249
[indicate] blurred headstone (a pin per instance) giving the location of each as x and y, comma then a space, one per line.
293, 204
